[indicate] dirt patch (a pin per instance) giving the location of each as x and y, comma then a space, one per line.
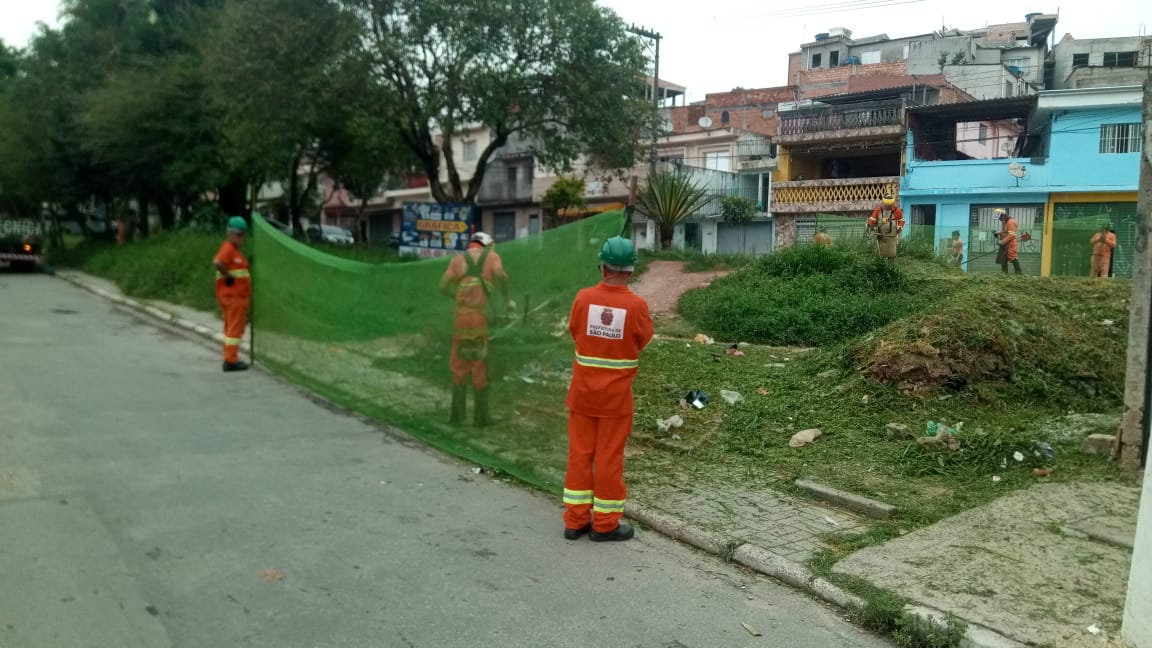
664, 282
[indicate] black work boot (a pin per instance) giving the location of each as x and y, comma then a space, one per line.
459, 403
481, 418
1016, 265
574, 534
621, 532
236, 366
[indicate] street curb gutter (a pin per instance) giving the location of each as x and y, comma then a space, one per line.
749, 555
147, 309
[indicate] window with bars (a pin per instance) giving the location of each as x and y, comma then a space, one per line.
1120, 138
1119, 59
1080, 59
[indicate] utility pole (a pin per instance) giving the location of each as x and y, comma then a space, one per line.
1133, 443
655, 37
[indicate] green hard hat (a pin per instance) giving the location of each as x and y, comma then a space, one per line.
618, 251
238, 224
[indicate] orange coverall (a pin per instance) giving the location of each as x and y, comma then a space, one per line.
473, 273
610, 325
1102, 245
897, 215
822, 239
233, 299
1010, 240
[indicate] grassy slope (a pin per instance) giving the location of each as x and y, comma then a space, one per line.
1061, 359
1006, 356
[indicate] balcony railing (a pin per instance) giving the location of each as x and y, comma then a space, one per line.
755, 149
842, 195
869, 116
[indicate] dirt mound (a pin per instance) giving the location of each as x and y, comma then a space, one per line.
1038, 338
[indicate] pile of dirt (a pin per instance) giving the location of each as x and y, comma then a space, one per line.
1037, 338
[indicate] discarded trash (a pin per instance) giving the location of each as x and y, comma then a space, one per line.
731, 397
864, 399
831, 521
898, 432
477, 470
1094, 629
703, 339
995, 478
752, 631
1003, 463
667, 424
697, 399
734, 350
763, 391
776, 365
1018, 456
804, 437
940, 435
270, 575
1045, 449
676, 437
1040, 472
1108, 322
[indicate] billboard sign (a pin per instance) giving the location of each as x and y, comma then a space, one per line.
432, 230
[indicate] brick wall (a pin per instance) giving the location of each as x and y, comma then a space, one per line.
752, 110
815, 83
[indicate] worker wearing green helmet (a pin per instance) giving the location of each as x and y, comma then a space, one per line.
610, 325
233, 291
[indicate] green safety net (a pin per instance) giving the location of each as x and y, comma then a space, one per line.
376, 338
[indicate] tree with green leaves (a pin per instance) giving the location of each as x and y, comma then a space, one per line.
668, 199
566, 193
565, 76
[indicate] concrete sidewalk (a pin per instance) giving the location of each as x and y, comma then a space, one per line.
776, 534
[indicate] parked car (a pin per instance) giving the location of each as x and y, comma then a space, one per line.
331, 234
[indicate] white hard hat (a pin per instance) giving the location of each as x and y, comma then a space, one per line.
482, 238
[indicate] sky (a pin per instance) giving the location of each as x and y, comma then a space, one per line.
719, 45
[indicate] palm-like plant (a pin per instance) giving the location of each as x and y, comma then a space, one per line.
668, 199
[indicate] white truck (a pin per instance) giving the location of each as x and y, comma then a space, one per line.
21, 242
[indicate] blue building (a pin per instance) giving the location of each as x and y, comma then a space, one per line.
1063, 162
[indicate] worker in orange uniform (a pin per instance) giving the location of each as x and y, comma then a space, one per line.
1103, 242
471, 276
1009, 241
887, 212
610, 325
886, 223
233, 291
821, 237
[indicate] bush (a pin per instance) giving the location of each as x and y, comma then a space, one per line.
806, 296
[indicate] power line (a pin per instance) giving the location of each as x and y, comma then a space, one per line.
813, 10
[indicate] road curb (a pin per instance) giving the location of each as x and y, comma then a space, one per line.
730, 549
858, 503
149, 310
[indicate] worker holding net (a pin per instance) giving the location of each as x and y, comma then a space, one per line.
471, 277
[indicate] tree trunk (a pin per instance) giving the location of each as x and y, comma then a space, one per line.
232, 198
142, 224
667, 233
167, 211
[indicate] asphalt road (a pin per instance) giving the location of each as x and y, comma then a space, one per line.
148, 500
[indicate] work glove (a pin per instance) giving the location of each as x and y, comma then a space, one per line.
229, 280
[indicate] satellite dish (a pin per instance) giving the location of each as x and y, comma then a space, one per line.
1017, 170
705, 122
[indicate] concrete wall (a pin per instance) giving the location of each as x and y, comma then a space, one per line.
987, 81
1095, 48
924, 54
972, 177
1137, 629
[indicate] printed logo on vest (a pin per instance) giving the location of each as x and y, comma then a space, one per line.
611, 322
